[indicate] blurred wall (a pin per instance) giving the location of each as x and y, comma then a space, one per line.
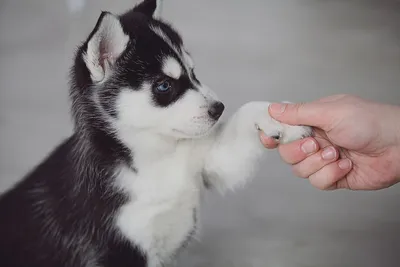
245, 50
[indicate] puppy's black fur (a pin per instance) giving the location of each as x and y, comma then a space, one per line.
61, 213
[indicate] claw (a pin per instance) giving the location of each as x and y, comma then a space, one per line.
276, 137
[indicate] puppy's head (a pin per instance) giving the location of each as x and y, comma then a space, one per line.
133, 73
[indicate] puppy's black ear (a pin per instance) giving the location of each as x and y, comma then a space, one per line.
151, 8
105, 45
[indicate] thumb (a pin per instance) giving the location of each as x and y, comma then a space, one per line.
310, 114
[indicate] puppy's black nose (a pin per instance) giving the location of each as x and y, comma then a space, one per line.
216, 110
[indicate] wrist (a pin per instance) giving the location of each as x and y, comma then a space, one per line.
396, 125
390, 125
389, 116
396, 132
396, 161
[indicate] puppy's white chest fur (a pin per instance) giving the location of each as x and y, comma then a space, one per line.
162, 211
166, 190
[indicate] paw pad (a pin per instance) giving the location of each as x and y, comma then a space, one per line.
277, 136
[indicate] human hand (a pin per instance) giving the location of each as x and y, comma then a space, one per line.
356, 144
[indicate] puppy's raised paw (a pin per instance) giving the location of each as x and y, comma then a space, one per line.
283, 133
292, 133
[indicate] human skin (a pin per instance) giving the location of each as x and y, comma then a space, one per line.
356, 142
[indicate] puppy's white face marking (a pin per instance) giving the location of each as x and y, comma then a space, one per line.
187, 118
166, 98
180, 52
172, 68
188, 59
165, 38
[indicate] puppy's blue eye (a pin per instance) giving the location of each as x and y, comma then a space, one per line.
164, 87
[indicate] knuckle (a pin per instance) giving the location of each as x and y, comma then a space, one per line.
296, 108
339, 98
323, 187
343, 96
322, 181
326, 187
290, 154
288, 159
301, 171
350, 97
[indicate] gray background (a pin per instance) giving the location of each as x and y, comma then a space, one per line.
245, 50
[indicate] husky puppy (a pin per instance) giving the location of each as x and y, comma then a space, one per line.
125, 188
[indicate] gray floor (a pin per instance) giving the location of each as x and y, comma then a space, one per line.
246, 50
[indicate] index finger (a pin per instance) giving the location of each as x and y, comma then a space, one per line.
311, 114
295, 152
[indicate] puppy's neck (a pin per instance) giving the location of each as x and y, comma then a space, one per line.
149, 147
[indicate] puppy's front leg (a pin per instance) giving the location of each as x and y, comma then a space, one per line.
236, 146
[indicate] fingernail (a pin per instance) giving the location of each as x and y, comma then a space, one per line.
328, 153
309, 147
344, 164
277, 109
